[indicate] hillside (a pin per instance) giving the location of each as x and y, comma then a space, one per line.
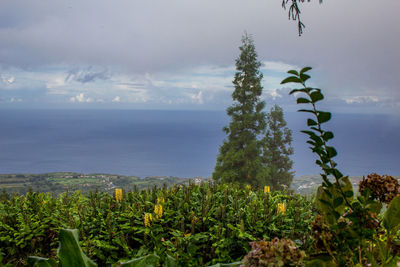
58, 182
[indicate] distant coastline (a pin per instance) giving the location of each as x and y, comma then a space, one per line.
58, 182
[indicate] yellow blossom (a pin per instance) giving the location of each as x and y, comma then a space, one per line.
281, 208
118, 194
147, 219
158, 210
160, 200
267, 189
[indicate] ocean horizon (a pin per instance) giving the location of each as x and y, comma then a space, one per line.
174, 143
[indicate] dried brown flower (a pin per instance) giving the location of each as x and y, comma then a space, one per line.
384, 187
277, 252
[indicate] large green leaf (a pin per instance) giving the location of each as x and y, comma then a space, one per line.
391, 220
150, 260
69, 252
330, 201
170, 262
233, 264
291, 79
41, 262
305, 69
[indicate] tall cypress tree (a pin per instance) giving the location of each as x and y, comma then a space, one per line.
277, 149
240, 158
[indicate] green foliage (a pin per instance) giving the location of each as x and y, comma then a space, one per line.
348, 228
41, 262
277, 149
145, 261
69, 252
201, 224
391, 221
240, 158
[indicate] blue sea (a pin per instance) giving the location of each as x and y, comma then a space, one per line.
173, 143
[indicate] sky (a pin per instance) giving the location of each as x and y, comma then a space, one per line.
180, 54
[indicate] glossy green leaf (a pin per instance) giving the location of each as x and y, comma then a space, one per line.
170, 262
41, 262
391, 219
338, 201
69, 252
327, 136
305, 69
294, 72
304, 77
297, 90
323, 116
150, 260
311, 122
233, 264
349, 194
291, 79
316, 96
375, 207
309, 133
331, 151
306, 110
302, 100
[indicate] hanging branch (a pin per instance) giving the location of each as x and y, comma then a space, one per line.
294, 12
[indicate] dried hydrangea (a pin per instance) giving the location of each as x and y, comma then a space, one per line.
277, 252
384, 187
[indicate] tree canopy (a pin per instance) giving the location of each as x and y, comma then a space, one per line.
240, 158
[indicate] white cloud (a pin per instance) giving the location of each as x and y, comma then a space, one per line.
7, 79
116, 99
274, 93
81, 99
277, 66
55, 80
361, 99
197, 98
14, 99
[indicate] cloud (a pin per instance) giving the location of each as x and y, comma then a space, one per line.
86, 75
277, 66
361, 99
184, 43
7, 79
81, 99
197, 98
274, 93
13, 100
116, 99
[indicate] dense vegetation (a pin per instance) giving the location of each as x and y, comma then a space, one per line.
197, 225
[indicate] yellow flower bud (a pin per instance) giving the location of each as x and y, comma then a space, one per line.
267, 189
147, 219
158, 210
281, 208
118, 194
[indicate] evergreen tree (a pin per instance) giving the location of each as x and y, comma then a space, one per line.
277, 149
240, 158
